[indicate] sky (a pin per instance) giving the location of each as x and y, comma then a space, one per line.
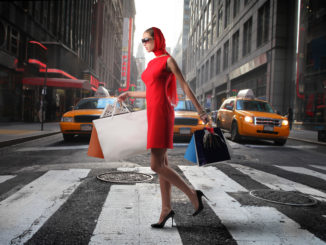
166, 15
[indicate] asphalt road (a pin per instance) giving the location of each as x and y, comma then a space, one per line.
49, 194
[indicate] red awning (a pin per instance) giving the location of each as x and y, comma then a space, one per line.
58, 82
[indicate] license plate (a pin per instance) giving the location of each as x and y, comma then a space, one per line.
268, 128
86, 127
184, 131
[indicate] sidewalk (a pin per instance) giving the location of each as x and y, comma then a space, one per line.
12, 133
17, 132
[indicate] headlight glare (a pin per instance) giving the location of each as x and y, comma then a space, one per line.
67, 119
285, 122
248, 119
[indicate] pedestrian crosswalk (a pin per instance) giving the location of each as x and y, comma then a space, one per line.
124, 214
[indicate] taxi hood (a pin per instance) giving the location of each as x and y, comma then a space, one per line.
260, 114
186, 113
83, 112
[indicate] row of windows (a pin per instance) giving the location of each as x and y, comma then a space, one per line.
197, 51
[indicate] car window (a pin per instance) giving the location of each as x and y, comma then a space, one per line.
94, 103
228, 105
185, 105
253, 105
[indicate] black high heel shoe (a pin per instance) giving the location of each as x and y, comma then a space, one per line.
161, 225
199, 194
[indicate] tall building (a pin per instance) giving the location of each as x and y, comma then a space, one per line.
236, 44
62, 50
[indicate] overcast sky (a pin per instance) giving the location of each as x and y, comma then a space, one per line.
165, 14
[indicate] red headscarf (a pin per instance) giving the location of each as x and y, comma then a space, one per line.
159, 49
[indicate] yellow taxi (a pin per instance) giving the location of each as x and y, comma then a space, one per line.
186, 120
79, 119
248, 117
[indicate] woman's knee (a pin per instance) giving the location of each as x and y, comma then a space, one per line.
157, 160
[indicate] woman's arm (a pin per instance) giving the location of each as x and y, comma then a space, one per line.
135, 94
173, 67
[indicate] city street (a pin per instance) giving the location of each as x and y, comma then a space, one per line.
49, 194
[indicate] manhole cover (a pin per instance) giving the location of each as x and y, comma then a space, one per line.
124, 177
284, 197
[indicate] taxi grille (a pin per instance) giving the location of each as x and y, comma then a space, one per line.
186, 121
86, 118
267, 121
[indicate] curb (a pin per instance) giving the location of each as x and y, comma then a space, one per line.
25, 139
308, 141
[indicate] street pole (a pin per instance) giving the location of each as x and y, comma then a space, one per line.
43, 94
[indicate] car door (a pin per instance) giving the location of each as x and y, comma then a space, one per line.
228, 114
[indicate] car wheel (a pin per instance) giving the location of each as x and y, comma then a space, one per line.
235, 136
68, 137
280, 142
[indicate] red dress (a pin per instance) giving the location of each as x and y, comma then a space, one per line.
160, 112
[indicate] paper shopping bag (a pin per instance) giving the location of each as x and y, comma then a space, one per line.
191, 154
210, 146
122, 136
94, 148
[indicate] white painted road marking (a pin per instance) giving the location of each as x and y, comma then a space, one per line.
247, 225
54, 148
127, 214
278, 183
318, 166
4, 178
301, 170
24, 212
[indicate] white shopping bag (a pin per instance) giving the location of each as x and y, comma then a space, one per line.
122, 136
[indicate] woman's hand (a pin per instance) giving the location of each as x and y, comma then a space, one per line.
122, 97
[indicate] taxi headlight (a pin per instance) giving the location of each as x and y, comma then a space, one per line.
248, 119
285, 122
201, 122
67, 119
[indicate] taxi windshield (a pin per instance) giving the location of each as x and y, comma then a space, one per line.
94, 103
185, 105
253, 105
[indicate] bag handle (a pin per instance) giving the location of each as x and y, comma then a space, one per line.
109, 112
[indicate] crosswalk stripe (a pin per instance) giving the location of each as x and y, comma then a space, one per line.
24, 212
4, 178
247, 225
127, 214
318, 166
278, 183
54, 148
301, 170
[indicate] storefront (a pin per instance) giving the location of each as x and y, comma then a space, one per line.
310, 103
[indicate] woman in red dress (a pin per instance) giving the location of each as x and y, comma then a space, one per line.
161, 97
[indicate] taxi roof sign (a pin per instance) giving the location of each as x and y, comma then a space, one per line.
246, 93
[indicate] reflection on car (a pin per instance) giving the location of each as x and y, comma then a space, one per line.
187, 120
79, 120
248, 117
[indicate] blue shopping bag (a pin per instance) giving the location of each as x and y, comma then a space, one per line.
191, 154
207, 146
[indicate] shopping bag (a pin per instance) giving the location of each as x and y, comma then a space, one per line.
209, 146
94, 148
122, 136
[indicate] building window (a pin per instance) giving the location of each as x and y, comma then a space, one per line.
227, 13
212, 63
263, 24
226, 55
218, 62
220, 21
236, 8
13, 41
235, 47
247, 29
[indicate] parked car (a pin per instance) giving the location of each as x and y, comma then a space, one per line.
79, 120
248, 117
187, 120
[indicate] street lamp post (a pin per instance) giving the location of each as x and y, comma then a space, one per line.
43, 93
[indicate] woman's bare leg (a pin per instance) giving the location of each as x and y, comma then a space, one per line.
165, 193
168, 174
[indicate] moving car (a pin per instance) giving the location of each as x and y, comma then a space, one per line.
248, 117
187, 120
79, 120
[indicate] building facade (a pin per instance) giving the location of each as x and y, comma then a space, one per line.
234, 45
62, 50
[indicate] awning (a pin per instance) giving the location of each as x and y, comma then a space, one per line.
58, 82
